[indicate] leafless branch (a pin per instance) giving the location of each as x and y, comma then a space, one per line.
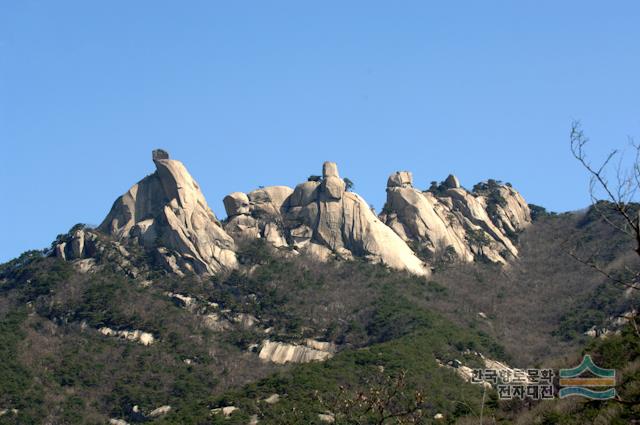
618, 196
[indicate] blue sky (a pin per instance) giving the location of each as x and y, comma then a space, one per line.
261, 93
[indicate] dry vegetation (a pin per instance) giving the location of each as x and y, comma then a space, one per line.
530, 305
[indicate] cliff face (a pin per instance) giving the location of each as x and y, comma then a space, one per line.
168, 215
473, 225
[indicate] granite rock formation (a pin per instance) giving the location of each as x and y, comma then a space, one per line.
167, 214
449, 219
321, 219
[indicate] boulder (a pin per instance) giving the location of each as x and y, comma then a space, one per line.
474, 209
236, 203
159, 154
272, 399
144, 338
273, 235
301, 235
76, 245
514, 216
304, 193
270, 199
400, 179
452, 182
327, 417
159, 411
225, 411
264, 215
329, 169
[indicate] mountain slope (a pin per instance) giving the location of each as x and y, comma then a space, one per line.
164, 314
61, 366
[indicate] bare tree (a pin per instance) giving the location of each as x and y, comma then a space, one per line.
613, 201
384, 401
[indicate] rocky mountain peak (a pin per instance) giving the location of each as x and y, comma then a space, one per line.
448, 219
321, 219
167, 214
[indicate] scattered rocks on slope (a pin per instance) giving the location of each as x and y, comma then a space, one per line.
466, 373
144, 338
224, 411
327, 417
162, 410
88, 249
272, 399
449, 219
612, 326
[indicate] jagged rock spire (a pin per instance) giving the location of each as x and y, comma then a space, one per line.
167, 213
473, 225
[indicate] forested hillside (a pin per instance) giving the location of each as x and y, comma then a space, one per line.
71, 355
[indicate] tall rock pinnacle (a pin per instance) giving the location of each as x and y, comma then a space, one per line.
167, 213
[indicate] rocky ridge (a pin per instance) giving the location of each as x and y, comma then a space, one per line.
320, 218
448, 219
166, 215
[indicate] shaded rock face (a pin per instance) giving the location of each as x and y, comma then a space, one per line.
168, 215
478, 224
321, 219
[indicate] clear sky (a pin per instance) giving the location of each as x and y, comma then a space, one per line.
261, 93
